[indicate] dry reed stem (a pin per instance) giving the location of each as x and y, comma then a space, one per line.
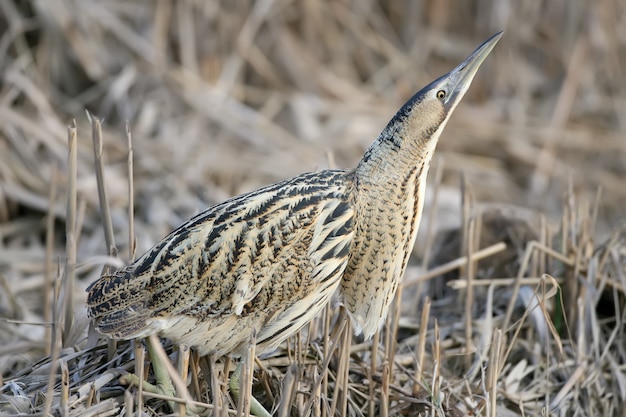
103, 199
140, 354
66, 298
132, 244
65, 389
421, 345
373, 368
183, 370
247, 370
469, 269
455, 264
128, 405
288, 390
48, 288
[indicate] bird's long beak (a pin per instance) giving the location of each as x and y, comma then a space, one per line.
461, 77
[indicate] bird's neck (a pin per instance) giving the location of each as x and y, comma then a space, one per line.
391, 162
389, 196
391, 182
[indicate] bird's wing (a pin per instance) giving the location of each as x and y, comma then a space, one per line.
329, 242
218, 261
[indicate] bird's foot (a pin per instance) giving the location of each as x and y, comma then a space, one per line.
164, 388
234, 384
163, 385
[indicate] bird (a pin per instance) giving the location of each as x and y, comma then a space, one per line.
270, 260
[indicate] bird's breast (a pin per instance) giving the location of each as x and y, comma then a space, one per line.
387, 219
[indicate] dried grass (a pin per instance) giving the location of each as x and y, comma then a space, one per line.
526, 308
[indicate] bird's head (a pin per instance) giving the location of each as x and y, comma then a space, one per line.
423, 117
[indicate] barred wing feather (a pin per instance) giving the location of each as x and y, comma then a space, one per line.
258, 255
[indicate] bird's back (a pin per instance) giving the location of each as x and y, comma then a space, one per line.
268, 260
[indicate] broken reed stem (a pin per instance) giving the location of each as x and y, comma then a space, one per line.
288, 391
383, 403
494, 371
435, 389
347, 342
70, 233
56, 335
593, 221
195, 377
421, 345
128, 404
372, 372
132, 245
455, 264
456, 284
299, 353
183, 371
324, 388
216, 388
48, 287
65, 389
245, 382
544, 235
469, 291
105, 210
140, 354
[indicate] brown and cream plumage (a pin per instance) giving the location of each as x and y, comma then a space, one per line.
271, 259
268, 260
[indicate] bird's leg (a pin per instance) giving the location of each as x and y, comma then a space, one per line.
163, 385
235, 386
242, 387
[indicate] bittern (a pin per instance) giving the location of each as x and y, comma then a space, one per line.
271, 259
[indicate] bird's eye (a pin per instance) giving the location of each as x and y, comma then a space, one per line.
441, 94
